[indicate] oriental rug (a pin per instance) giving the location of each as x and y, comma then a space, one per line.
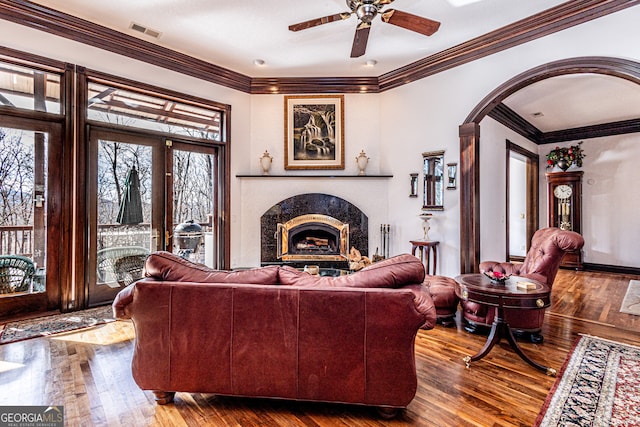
54, 324
631, 301
599, 385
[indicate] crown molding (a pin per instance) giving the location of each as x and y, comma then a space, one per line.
594, 131
547, 22
510, 119
297, 85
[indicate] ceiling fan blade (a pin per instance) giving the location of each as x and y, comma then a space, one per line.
360, 40
319, 21
410, 22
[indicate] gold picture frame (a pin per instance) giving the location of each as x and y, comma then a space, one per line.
314, 132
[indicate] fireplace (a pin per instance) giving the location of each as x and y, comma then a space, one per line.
312, 228
313, 237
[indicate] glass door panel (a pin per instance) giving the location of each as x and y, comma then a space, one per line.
23, 205
30, 215
121, 229
194, 190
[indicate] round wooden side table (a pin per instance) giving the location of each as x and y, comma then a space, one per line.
478, 288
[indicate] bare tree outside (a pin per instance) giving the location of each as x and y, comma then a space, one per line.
16, 178
115, 159
192, 187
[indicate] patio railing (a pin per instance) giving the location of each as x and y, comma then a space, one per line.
16, 240
19, 239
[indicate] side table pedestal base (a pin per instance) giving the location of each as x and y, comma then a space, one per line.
500, 329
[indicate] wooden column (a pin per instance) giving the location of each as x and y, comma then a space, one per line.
469, 197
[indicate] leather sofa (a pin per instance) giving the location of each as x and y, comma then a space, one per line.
548, 246
276, 332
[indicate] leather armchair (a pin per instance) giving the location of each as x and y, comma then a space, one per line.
548, 246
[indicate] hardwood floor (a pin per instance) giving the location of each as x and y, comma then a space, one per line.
89, 373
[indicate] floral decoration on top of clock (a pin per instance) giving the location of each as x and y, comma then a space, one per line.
565, 157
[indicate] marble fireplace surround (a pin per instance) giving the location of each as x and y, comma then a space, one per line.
312, 204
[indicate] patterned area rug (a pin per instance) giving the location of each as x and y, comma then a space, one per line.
54, 324
599, 386
631, 301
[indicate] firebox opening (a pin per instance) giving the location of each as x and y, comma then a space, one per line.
313, 240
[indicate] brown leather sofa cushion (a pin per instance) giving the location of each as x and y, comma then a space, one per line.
393, 272
166, 266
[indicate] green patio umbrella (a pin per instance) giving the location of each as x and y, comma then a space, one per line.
130, 212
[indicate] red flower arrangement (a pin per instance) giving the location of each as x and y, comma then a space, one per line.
566, 156
496, 276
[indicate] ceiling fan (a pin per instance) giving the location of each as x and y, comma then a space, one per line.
366, 10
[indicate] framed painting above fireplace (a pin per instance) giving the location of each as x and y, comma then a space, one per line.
314, 132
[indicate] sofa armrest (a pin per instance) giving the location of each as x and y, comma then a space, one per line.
424, 304
121, 302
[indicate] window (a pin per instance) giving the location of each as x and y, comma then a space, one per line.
29, 89
130, 108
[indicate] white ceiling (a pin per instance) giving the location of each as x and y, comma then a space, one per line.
232, 34
576, 100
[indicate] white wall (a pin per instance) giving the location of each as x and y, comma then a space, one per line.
394, 128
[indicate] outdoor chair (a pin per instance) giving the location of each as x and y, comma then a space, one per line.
121, 264
16, 273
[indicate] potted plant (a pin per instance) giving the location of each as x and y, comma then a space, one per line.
565, 157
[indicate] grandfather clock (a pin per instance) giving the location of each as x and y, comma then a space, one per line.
565, 208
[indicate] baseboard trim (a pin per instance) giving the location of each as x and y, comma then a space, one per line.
611, 268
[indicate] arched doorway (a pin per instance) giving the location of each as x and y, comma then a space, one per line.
469, 133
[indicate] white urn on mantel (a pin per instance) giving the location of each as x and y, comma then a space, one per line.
265, 162
362, 160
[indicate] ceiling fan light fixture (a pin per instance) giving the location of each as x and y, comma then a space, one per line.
366, 12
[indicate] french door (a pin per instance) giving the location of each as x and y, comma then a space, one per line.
31, 212
140, 188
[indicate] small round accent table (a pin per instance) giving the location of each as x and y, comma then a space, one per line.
478, 288
425, 247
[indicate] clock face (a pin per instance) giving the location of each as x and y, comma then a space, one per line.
562, 191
